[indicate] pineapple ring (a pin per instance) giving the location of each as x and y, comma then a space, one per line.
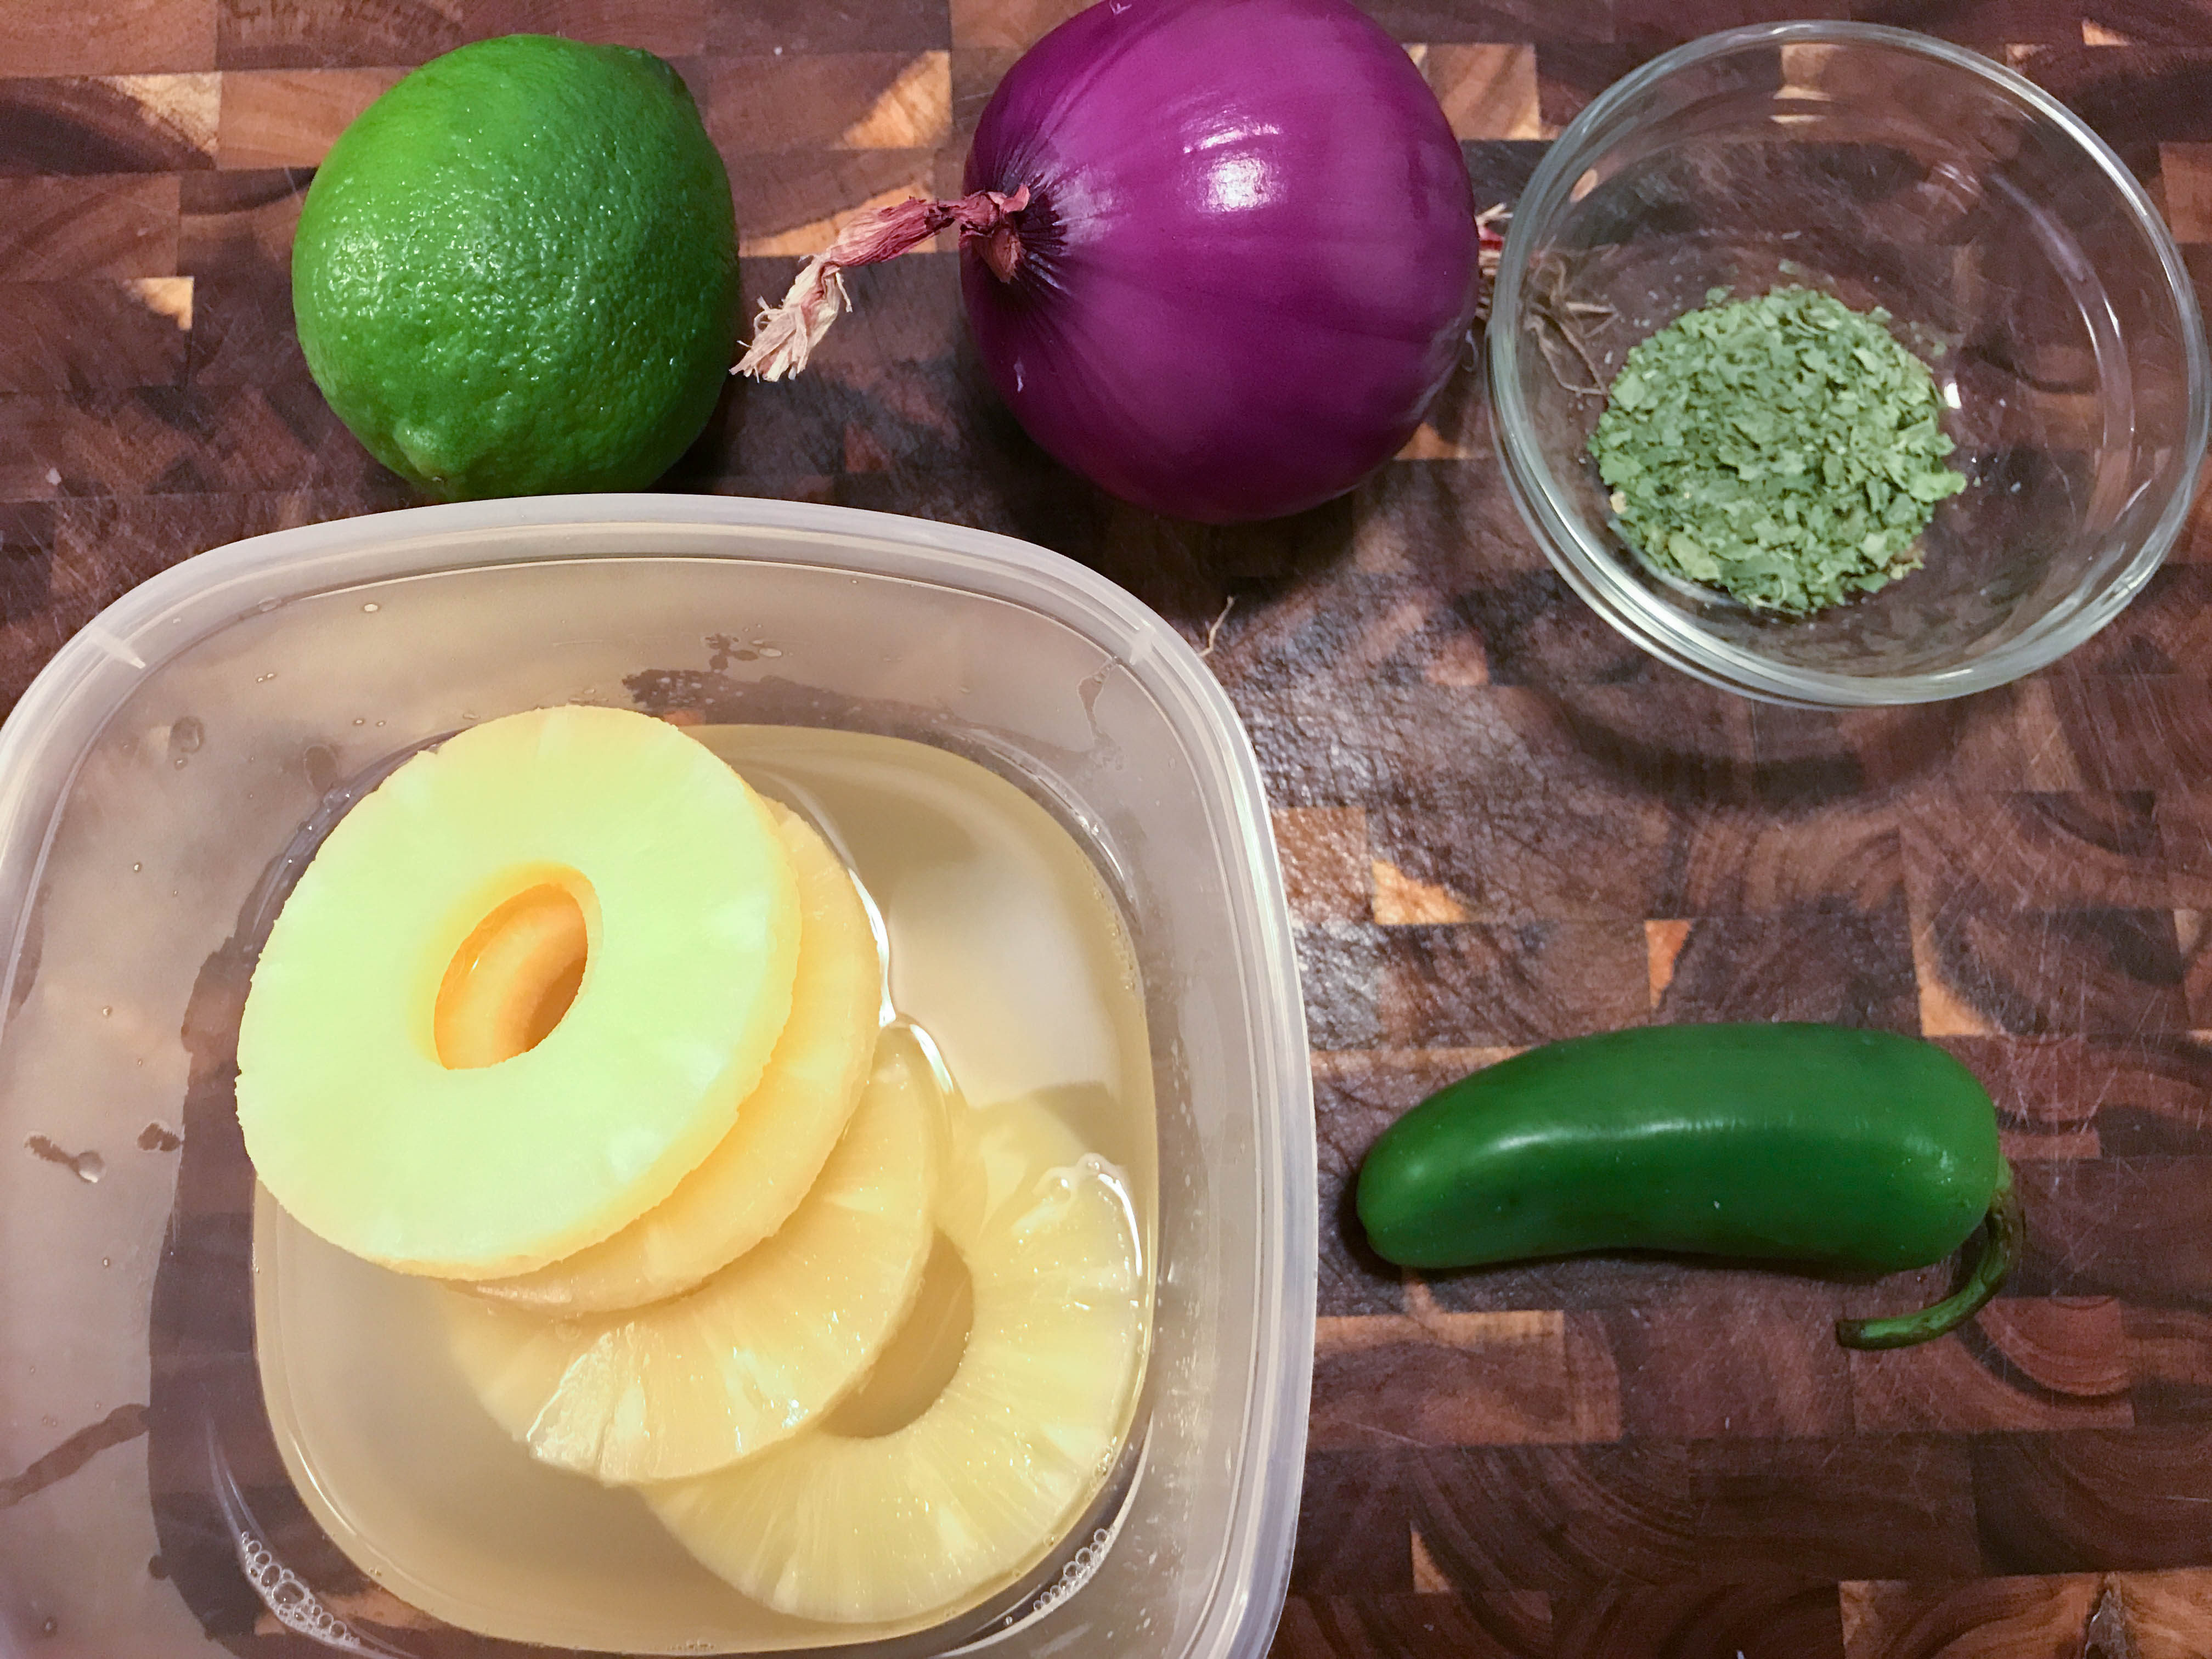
369, 1139
975, 1490
750, 1184
760, 1349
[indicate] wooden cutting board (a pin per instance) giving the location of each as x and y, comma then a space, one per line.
1502, 825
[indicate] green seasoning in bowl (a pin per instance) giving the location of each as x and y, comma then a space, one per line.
1785, 449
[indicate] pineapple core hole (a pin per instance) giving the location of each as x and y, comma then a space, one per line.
512, 979
921, 1356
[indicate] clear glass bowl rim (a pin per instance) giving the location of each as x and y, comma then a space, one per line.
1594, 573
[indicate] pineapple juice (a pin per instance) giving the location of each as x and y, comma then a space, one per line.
1007, 958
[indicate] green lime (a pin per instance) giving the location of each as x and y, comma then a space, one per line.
516, 272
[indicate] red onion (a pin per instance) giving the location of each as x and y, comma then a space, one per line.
1217, 256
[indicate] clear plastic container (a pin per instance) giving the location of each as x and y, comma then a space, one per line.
156, 771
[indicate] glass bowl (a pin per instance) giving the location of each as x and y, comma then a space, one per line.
2014, 254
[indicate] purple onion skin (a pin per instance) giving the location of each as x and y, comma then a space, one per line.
1248, 261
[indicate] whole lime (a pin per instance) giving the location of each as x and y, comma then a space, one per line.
516, 271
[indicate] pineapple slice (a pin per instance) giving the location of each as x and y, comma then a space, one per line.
354, 1122
754, 1179
761, 1348
974, 1490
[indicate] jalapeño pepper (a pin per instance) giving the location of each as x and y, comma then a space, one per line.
1850, 1151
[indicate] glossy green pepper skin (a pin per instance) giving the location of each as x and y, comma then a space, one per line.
1840, 1149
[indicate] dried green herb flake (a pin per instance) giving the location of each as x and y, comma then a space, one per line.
1786, 449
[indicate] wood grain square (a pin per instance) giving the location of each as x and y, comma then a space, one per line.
1840, 967
2014, 737
2164, 630
160, 440
2166, 1614
2184, 835
1473, 986
2092, 1500
92, 335
307, 34
2021, 1365
670, 28
2192, 929
2043, 849
768, 106
290, 118
1404, 901
2169, 1358
1509, 853
1690, 749
1710, 1362
2134, 1095
2100, 972
2139, 1229
2185, 179
111, 124
1370, 630
1340, 969
1355, 1100
1273, 573
1807, 757
1568, 1519
798, 208
895, 420
1457, 425
242, 333
2137, 97
976, 72
1988, 1619
1654, 25
1833, 856
1008, 25
2194, 548
240, 223
1486, 91
2154, 1102
2197, 258
1571, 71
1780, 1620
1306, 757
116, 225
1355, 1527
1008, 500
764, 27
1326, 867
2144, 22
1501, 1626
1494, 20
1355, 744
1435, 1378
1984, 22
26, 561
79, 444
2008, 739
111, 37
1523, 627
